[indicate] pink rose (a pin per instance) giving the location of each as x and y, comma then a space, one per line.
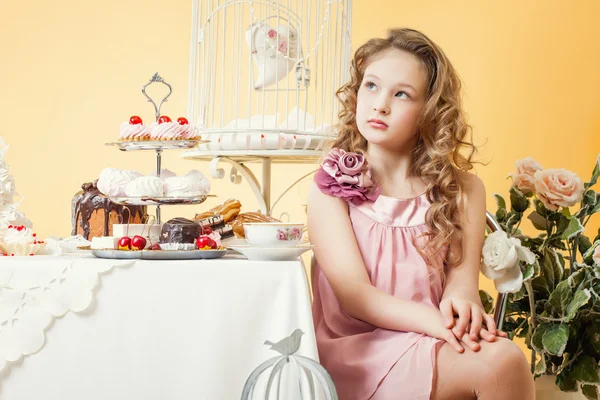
596, 256
522, 177
558, 187
330, 164
272, 33
351, 163
344, 174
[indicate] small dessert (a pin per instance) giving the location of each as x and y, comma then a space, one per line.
93, 214
149, 232
164, 173
194, 183
145, 186
19, 240
134, 130
217, 224
228, 210
113, 181
179, 234
165, 129
104, 243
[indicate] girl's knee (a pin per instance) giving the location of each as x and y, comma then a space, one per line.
505, 357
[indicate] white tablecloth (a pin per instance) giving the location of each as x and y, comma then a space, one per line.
150, 329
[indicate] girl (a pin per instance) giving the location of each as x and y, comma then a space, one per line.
398, 225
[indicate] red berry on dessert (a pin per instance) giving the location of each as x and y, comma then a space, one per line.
155, 246
138, 243
204, 242
163, 119
207, 230
182, 121
135, 120
124, 243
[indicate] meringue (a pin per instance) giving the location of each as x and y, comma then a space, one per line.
194, 183
112, 181
149, 186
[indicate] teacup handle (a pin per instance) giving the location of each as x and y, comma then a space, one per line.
286, 215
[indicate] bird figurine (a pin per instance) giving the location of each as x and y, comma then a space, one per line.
289, 345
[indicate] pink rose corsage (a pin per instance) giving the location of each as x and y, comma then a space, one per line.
344, 174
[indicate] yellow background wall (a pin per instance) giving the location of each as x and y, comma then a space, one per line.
71, 72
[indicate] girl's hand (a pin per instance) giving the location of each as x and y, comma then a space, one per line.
469, 321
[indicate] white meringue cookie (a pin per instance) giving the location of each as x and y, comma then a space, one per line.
194, 183
112, 181
164, 173
150, 186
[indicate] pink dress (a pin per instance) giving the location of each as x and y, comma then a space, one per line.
367, 362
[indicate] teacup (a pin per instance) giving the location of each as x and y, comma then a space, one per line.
273, 234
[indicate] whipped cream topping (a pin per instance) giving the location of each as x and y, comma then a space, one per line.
189, 131
18, 234
133, 131
166, 130
194, 183
112, 181
150, 186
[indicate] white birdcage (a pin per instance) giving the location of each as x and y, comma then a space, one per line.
263, 74
263, 77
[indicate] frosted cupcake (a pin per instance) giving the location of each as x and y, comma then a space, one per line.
134, 130
19, 240
165, 129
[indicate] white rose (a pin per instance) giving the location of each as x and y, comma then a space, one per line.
501, 256
596, 256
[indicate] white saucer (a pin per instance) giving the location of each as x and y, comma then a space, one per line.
271, 253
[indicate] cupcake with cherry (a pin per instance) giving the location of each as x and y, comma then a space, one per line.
19, 240
164, 129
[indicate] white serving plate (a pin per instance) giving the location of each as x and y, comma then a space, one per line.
182, 254
272, 254
118, 254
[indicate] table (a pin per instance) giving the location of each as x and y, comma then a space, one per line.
119, 329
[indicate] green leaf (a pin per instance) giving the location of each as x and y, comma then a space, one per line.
592, 339
555, 339
588, 256
540, 208
538, 334
595, 175
501, 215
566, 382
580, 299
518, 201
529, 272
560, 298
487, 301
583, 244
597, 236
500, 201
540, 367
538, 221
540, 285
573, 229
590, 198
590, 392
585, 370
551, 267
576, 278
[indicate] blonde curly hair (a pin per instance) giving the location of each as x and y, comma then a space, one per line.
442, 133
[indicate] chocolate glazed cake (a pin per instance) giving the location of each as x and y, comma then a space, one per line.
93, 214
179, 230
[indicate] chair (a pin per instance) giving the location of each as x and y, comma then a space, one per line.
501, 299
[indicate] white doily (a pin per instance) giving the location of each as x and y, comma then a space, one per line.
34, 291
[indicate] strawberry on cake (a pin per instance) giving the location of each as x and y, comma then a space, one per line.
165, 129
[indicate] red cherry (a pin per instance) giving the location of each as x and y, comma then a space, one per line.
182, 121
207, 230
135, 120
204, 241
138, 243
124, 243
163, 119
155, 246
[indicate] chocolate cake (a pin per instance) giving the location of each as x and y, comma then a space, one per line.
93, 214
179, 230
